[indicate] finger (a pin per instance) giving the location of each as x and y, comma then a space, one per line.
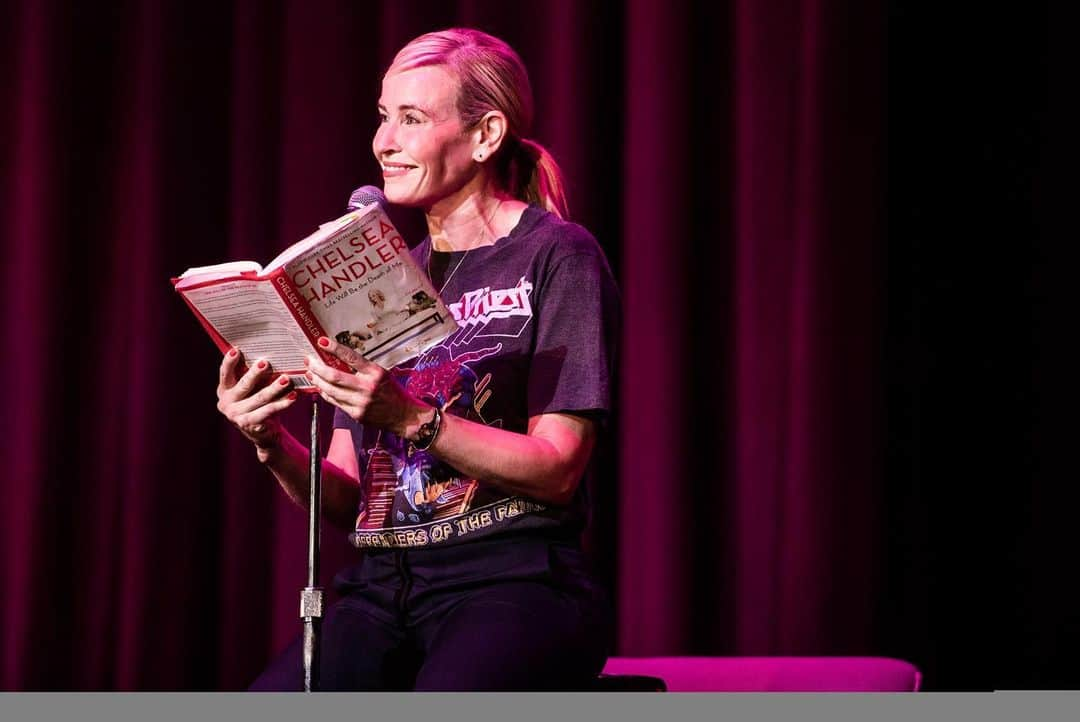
227, 375
339, 389
263, 396
249, 381
345, 353
283, 403
334, 394
331, 375
351, 410
353, 401
256, 419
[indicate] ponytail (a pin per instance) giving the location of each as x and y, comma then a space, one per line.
532, 175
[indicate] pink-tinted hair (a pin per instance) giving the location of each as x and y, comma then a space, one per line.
491, 77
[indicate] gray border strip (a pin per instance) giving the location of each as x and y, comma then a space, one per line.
620, 707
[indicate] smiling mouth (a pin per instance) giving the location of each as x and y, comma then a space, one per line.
395, 169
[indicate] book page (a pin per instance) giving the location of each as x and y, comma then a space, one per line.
202, 274
250, 315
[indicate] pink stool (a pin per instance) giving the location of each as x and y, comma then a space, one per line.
765, 674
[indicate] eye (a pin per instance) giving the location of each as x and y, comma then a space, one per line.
383, 117
410, 119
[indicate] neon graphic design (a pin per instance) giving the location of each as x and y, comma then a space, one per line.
409, 487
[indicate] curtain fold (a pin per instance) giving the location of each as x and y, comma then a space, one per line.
657, 161
804, 389
29, 119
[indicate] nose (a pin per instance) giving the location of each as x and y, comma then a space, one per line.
385, 140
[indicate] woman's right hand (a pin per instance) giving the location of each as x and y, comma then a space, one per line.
252, 401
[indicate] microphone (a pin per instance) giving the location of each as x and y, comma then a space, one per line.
365, 196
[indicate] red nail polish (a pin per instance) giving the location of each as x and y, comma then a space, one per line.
292, 396
324, 342
233, 353
261, 365
308, 376
283, 380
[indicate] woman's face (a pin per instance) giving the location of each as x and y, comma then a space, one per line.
425, 153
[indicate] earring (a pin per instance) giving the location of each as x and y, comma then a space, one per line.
479, 156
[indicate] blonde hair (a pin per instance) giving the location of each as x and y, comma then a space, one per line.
491, 77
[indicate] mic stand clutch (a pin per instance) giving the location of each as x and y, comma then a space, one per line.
311, 598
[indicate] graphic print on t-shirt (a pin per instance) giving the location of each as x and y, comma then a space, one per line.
412, 490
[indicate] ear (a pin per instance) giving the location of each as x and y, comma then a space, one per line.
488, 135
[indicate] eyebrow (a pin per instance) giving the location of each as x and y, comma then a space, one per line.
423, 110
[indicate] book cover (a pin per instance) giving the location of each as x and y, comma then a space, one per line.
353, 279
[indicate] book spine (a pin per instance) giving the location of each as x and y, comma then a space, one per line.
301, 311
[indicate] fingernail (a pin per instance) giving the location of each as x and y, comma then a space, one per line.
283, 380
307, 361
291, 396
261, 365
308, 376
233, 353
324, 342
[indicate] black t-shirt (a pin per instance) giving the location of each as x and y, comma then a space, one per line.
538, 316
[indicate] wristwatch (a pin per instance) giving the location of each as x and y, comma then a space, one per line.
425, 435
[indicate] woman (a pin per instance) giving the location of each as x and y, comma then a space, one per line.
382, 317
465, 464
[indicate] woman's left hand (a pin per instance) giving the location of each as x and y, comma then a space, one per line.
371, 395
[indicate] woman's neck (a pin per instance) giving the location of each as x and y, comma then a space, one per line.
478, 219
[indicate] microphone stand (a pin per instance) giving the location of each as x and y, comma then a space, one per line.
311, 597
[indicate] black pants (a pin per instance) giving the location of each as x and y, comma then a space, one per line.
518, 614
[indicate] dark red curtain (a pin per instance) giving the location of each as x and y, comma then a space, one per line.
753, 197
731, 159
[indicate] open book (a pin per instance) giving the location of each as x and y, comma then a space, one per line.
353, 279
